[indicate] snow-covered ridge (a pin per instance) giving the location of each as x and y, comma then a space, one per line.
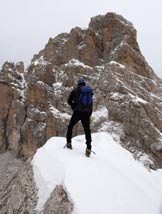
100, 113
109, 182
135, 99
40, 61
76, 62
116, 63
59, 114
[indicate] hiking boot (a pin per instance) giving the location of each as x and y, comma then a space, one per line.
69, 146
88, 152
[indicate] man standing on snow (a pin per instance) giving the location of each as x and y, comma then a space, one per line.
80, 101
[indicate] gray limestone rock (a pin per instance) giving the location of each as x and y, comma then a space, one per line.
58, 202
18, 194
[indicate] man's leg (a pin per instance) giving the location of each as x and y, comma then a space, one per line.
74, 119
86, 125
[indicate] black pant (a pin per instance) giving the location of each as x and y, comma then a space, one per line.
85, 120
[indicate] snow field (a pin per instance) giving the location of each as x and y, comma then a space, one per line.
109, 182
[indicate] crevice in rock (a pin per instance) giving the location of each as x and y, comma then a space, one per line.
5, 126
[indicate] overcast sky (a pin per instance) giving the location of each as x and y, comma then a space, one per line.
26, 25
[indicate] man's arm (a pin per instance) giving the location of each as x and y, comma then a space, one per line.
72, 98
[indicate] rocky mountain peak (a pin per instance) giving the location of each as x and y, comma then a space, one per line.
127, 98
109, 37
93, 44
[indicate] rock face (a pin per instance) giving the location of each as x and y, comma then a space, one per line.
18, 193
34, 106
58, 202
134, 101
12, 105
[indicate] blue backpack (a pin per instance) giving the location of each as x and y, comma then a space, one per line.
85, 100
